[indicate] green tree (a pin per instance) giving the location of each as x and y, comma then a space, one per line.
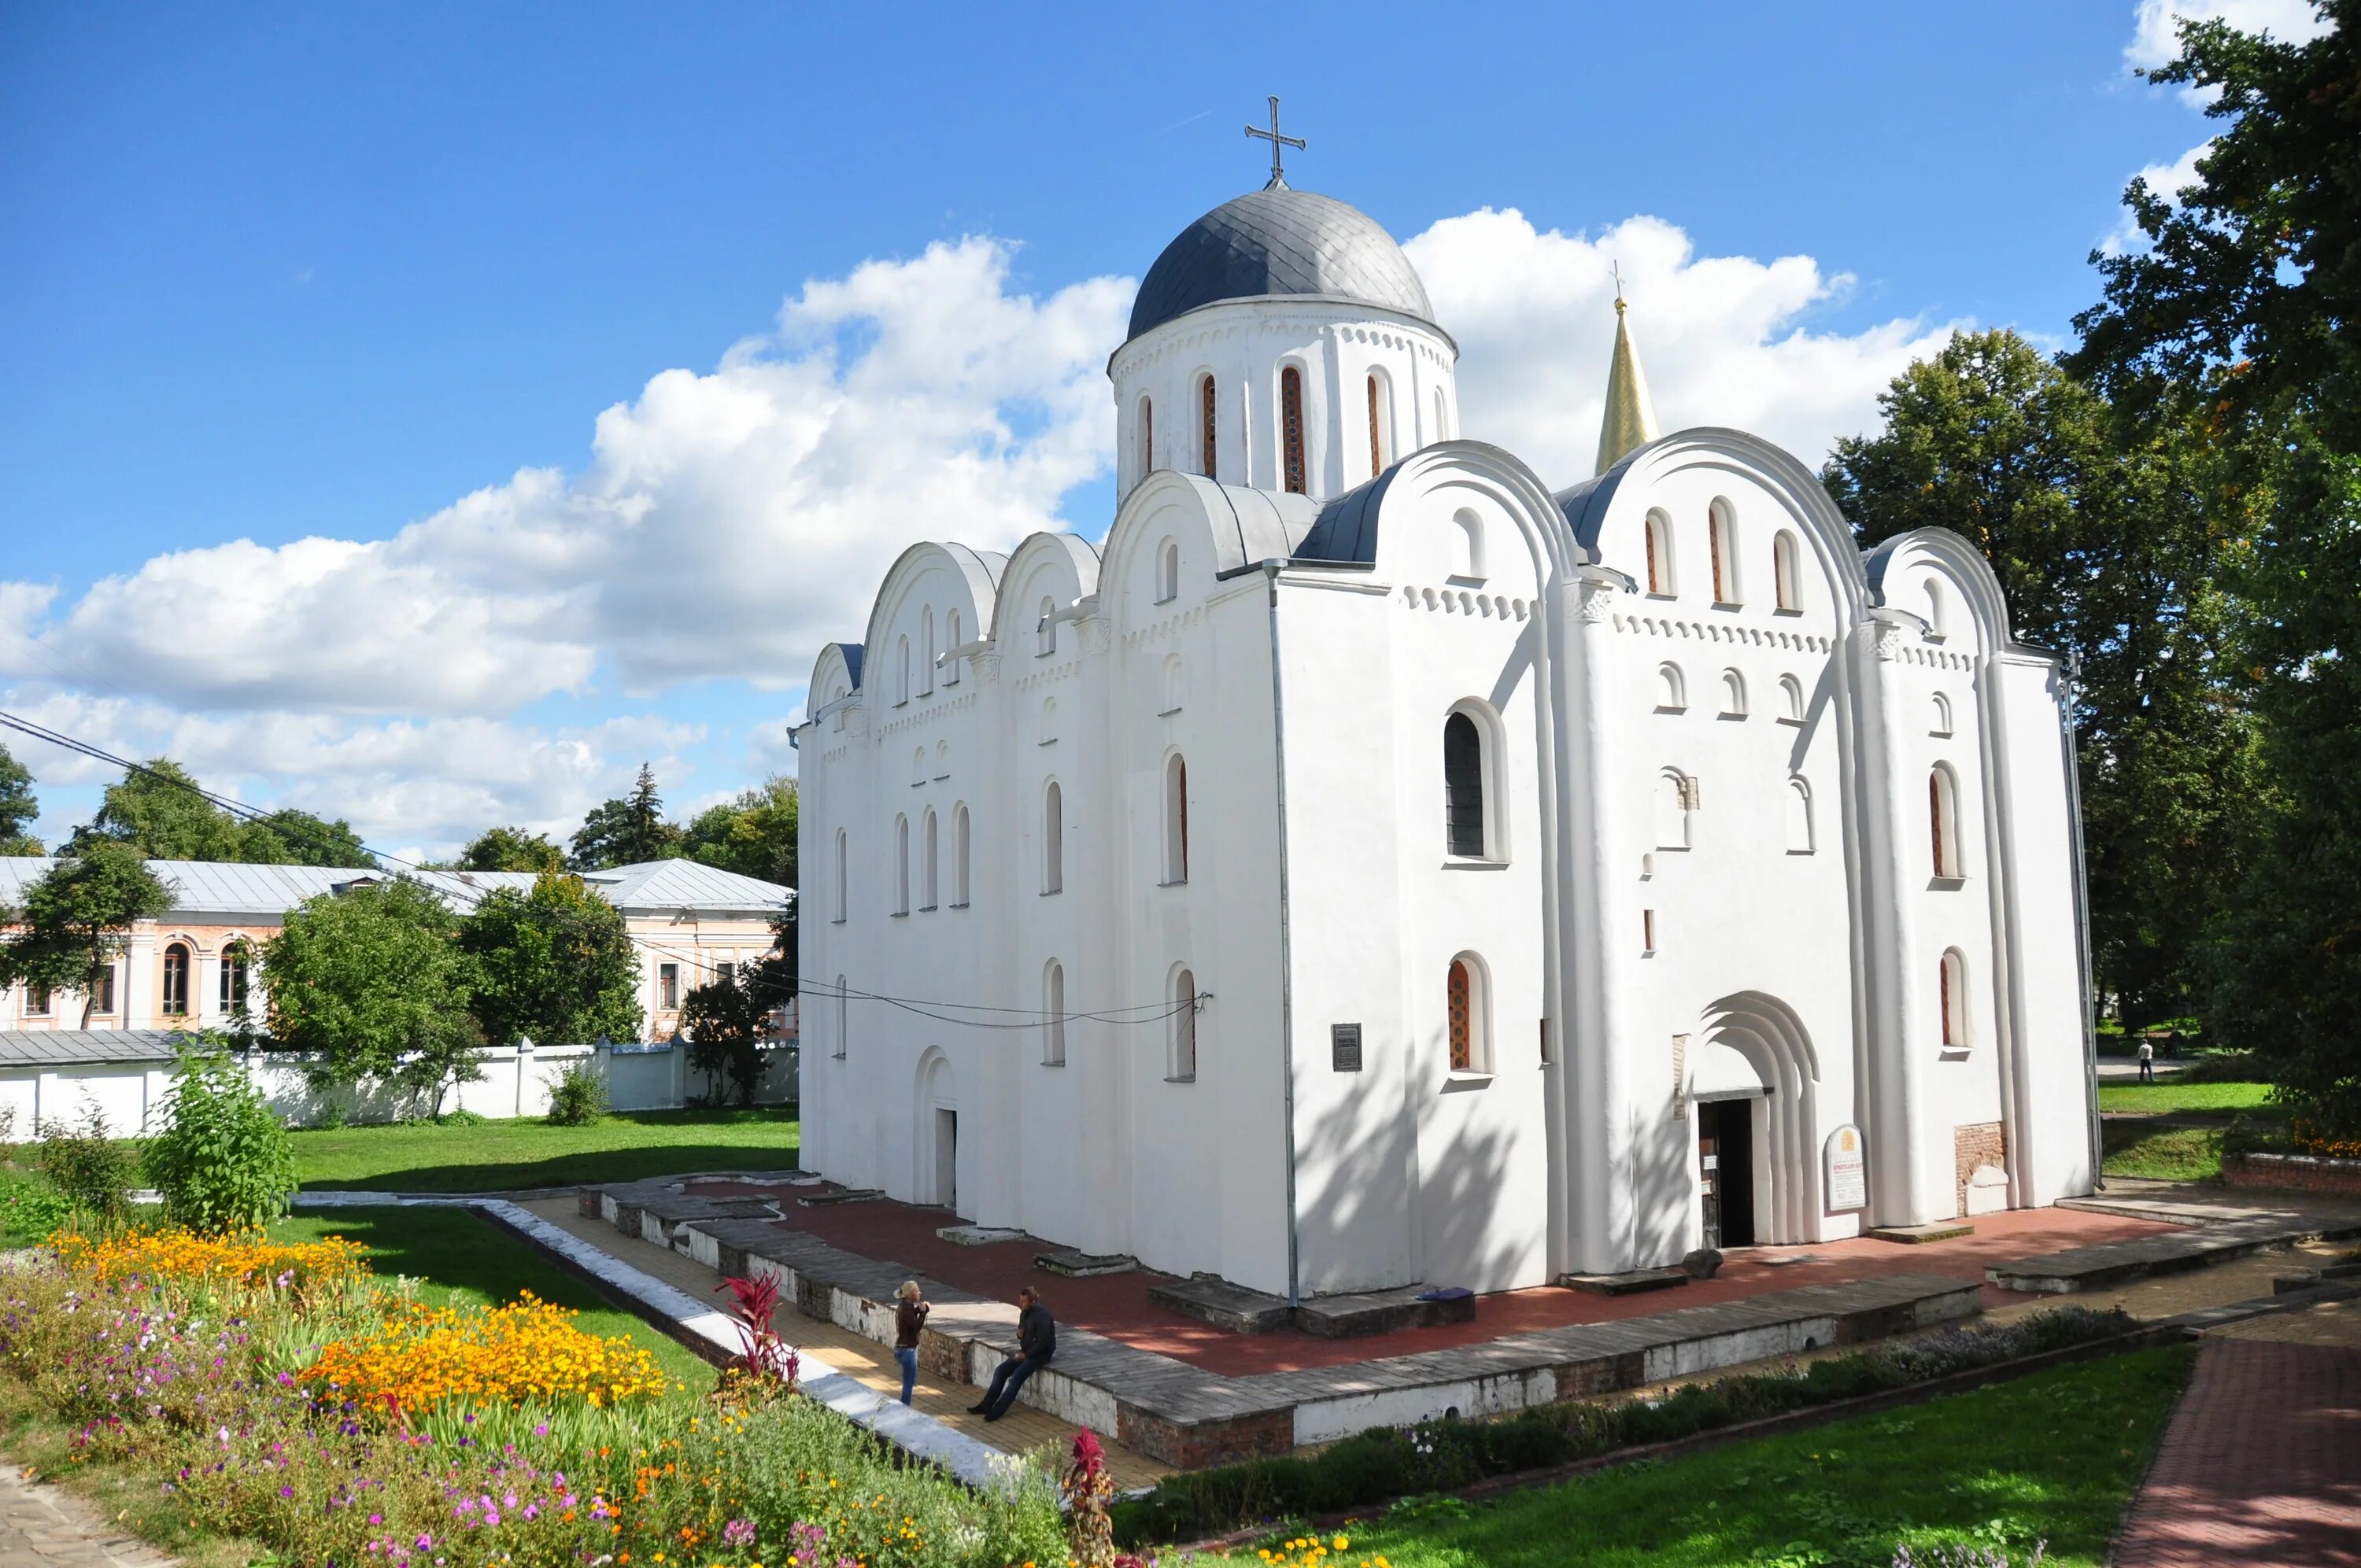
158, 811
18, 809
754, 835
2241, 306
222, 1161
628, 831
372, 984
2106, 532
291, 838
511, 850
556, 966
75, 917
725, 1021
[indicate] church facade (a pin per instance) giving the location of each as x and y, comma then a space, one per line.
1367, 867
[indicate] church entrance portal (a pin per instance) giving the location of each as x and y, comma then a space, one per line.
1726, 1171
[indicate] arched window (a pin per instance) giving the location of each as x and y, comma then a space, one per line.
176, 981
901, 865
1799, 817
951, 639
1167, 572
902, 682
1672, 691
1048, 720
959, 856
1937, 610
1377, 433
1045, 631
1466, 1015
1053, 839
1942, 723
1943, 821
1181, 1065
1791, 699
1147, 437
1209, 433
1176, 820
1291, 426
843, 1013
929, 873
841, 876
1951, 998
235, 961
1733, 695
1659, 553
1440, 434
918, 767
1783, 580
1463, 786
1467, 559
942, 758
927, 653
1721, 534
102, 992
1672, 802
1053, 1014
1174, 683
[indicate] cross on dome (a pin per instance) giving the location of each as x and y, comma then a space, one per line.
1278, 174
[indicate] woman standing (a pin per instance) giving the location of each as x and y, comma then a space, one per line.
909, 1317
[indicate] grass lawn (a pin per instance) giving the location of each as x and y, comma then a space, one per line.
2183, 1096
2052, 1457
457, 1257
492, 1156
2161, 1154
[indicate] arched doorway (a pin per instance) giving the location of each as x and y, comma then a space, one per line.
1754, 1081
934, 1132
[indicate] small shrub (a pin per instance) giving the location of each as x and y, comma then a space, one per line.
462, 1118
85, 1165
29, 1209
223, 1162
577, 1094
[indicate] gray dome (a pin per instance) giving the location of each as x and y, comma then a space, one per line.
1278, 241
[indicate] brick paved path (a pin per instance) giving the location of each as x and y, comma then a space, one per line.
2261, 1464
42, 1527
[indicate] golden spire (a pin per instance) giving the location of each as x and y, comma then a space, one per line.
1631, 421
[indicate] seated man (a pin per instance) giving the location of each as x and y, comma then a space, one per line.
1037, 1342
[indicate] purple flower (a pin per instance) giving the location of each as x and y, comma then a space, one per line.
738, 1532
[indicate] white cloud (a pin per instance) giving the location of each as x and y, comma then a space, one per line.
2155, 24
1723, 338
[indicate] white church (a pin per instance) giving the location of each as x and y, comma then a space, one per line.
1368, 867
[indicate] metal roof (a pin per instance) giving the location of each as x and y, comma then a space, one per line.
69, 1047
1280, 242
228, 888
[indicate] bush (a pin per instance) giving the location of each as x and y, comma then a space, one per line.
29, 1209
223, 1162
577, 1095
84, 1164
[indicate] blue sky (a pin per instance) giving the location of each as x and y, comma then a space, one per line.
317, 274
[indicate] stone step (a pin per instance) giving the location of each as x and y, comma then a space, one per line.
1631, 1284
1382, 1312
1067, 1264
1915, 1235
2112, 1264
1211, 1300
848, 1195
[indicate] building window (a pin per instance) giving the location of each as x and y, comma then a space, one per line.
1659, 553
1045, 632
1783, 571
1183, 1067
927, 880
667, 988
1377, 433
1791, 698
901, 865
233, 961
959, 856
101, 991
843, 1013
1208, 433
1672, 691
38, 1000
1176, 820
176, 981
927, 653
1935, 608
1053, 839
1468, 563
902, 679
1799, 817
1672, 796
1440, 434
1463, 786
952, 641
1291, 426
841, 876
1721, 534
1465, 1006
1647, 932
1167, 572
1053, 1014
1943, 821
1941, 726
1174, 683
1733, 695
725, 972
1147, 437
1951, 996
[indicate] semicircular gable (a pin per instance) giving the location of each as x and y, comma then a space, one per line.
969, 568
1241, 526
838, 668
1350, 527
1625, 488
1069, 555
1960, 561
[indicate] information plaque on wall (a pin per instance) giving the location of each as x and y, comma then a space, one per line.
1345, 1046
1848, 1172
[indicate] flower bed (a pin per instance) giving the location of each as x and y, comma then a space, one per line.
282, 1395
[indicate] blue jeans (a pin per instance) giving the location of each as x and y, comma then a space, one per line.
908, 1357
1008, 1378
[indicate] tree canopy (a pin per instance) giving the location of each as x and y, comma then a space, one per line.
754, 835
554, 966
626, 832
511, 850
18, 809
75, 917
158, 810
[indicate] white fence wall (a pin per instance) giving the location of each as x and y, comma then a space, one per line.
516, 1082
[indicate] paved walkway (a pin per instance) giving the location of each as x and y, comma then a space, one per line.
2260, 1463
42, 1524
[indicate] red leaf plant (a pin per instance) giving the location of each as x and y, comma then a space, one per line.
763, 1356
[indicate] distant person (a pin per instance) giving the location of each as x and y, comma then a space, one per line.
909, 1316
1037, 1342
2147, 1061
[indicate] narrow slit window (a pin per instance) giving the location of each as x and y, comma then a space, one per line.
1291, 426
1053, 1016
1463, 786
1459, 1003
1376, 434
1209, 438
1176, 820
1054, 840
1184, 1027
959, 857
